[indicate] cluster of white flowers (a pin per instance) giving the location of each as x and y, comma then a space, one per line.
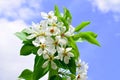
82, 68
81, 71
51, 36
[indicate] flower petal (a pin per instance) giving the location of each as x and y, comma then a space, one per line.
53, 65
39, 52
44, 15
62, 41
68, 49
41, 39
49, 41
45, 56
70, 54
60, 50
66, 59
31, 36
45, 64
51, 49
70, 31
51, 13
36, 42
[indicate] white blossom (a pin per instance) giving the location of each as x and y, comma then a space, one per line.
53, 31
49, 16
37, 30
62, 40
82, 68
50, 60
70, 32
44, 45
65, 54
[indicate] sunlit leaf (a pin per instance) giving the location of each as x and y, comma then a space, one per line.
74, 47
56, 11
81, 26
67, 15
21, 35
88, 36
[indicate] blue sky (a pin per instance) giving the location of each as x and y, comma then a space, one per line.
105, 20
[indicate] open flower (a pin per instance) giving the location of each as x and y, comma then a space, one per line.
53, 31
50, 58
63, 35
70, 32
44, 46
64, 53
62, 41
37, 30
49, 16
54, 28
82, 68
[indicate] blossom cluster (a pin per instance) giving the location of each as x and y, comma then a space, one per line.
51, 37
82, 68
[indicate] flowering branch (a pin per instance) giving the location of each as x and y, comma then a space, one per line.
53, 42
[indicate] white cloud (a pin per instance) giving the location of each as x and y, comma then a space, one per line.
20, 9
11, 62
107, 5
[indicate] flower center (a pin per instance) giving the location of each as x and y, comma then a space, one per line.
55, 43
49, 16
79, 65
52, 30
42, 34
62, 35
54, 24
78, 76
65, 53
42, 46
51, 58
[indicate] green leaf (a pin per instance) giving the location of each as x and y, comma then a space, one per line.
78, 35
72, 66
81, 26
73, 76
65, 23
67, 15
26, 74
21, 35
27, 49
74, 47
56, 11
79, 40
52, 73
88, 36
61, 64
38, 70
56, 77
66, 19
92, 34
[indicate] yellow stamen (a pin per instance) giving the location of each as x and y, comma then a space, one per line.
42, 46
